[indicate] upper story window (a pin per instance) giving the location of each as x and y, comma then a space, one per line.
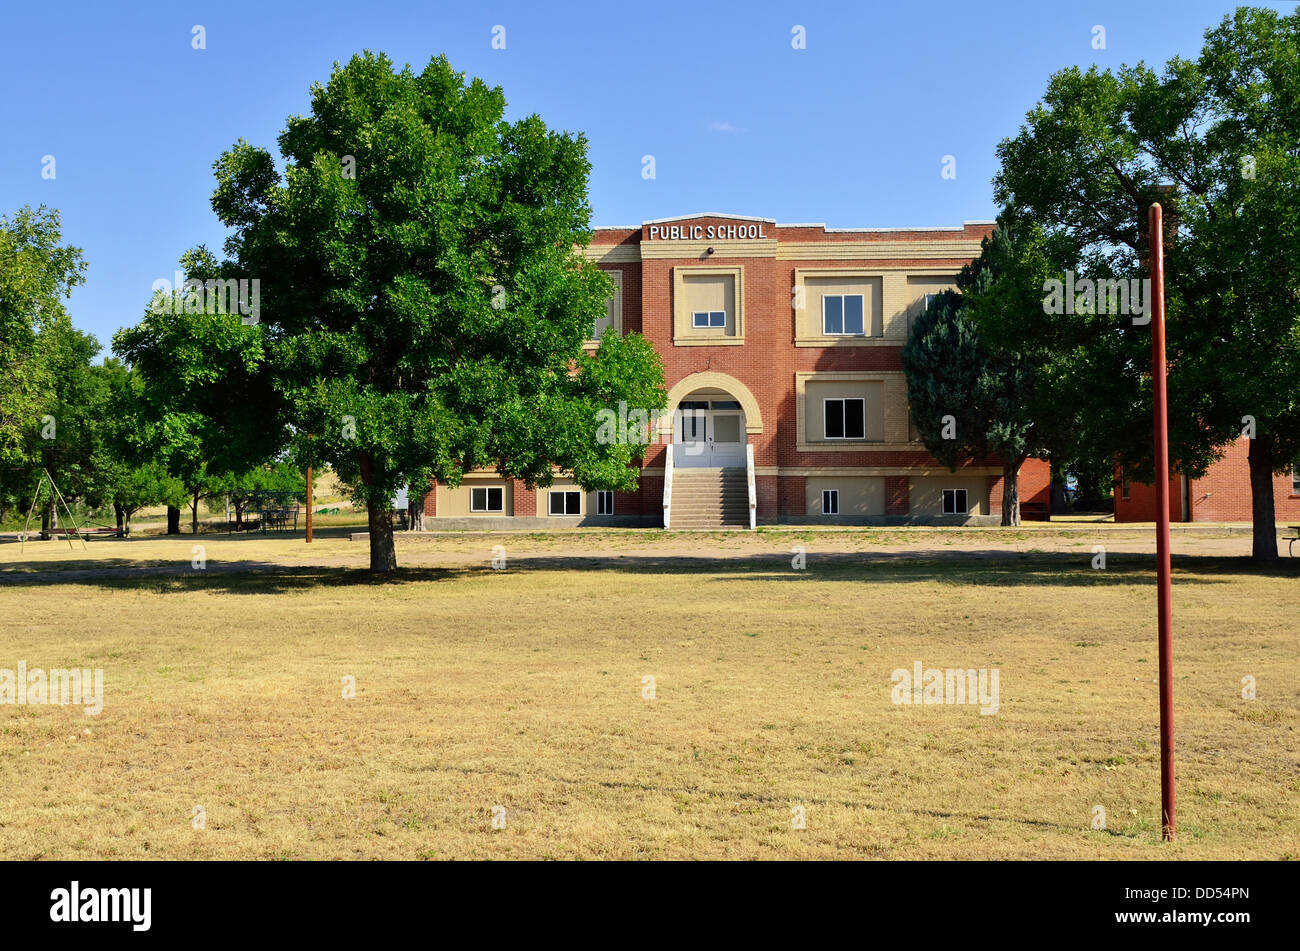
839, 307
927, 300
613, 310
708, 306
842, 315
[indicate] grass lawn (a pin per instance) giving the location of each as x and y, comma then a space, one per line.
523, 688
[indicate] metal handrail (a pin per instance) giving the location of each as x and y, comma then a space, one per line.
668, 484
753, 491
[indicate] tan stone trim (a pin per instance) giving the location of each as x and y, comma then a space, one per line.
804, 317
875, 250
918, 471
612, 253
707, 380
684, 335
725, 248
895, 396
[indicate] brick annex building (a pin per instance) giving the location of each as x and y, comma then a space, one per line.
1222, 496
786, 395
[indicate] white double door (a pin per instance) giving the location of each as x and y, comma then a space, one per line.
708, 438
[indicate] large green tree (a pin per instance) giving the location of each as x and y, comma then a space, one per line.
206, 406
422, 304
1216, 141
37, 272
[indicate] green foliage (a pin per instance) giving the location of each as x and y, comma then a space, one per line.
944, 364
205, 405
426, 316
1216, 141
37, 271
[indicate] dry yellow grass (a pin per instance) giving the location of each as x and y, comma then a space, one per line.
523, 688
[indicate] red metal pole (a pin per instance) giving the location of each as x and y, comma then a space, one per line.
1163, 579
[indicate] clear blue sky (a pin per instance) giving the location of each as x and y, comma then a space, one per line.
850, 131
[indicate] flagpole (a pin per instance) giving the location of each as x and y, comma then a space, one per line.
1163, 566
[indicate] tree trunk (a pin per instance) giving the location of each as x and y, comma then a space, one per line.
1011, 492
194, 513
173, 520
415, 514
1263, 516
118, 516
383, 557
45, 522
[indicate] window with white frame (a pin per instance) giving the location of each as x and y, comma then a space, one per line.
927, 300
604, 503
490, 498
842, 315
1124, 489
709, 319
954, 502
846, 419
565, 502
830, 501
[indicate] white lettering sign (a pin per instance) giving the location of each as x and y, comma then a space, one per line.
706, 233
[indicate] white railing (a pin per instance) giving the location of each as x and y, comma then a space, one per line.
753, 492
668, 485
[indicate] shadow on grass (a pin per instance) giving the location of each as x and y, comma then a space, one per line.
983, 568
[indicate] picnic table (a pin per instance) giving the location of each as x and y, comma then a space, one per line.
1295, 537
277, 518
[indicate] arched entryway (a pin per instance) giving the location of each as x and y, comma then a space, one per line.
711, 417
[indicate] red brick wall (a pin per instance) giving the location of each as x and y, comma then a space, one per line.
898, 495
525, 499
1222, 496
793, 495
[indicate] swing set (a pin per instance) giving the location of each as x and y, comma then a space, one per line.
55, 493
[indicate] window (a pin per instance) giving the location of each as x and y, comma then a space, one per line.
954, 502
830, 501
613, 309
1295, 478
927, 300
846, 419
487, 499
842, 315
1124, 489
709, 318
604, 503
565, 502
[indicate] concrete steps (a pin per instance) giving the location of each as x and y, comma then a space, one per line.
710, 499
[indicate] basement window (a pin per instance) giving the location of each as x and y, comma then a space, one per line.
487, 499
954, 502
830, 501
565, 503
